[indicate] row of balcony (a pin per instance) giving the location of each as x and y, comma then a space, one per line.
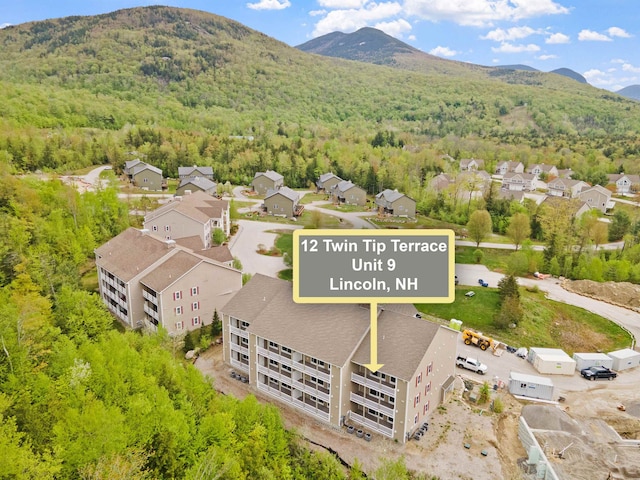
307, 387
239, 348
373, 405
238, 331
239, 364
300, 366
371, 424
151, 312
298, 403
382, 387
150, 296
114, 283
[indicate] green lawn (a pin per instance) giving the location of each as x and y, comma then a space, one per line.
344, 208
546, 324
492, 258
313, 197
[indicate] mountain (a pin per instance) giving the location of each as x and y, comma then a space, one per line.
526, 68
632, 91
191, 70
567, 72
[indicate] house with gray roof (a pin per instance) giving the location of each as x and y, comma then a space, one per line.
148, 282
197, 213
394, 203
502, 168
471, 164
624, 183
327, 181
348, 193
128, 167
193, 184
538, 169
597, 197
519, 181
264, 181
195, 171
566, 187
283, 202
441, 182
313, 357
573, 205
147, 177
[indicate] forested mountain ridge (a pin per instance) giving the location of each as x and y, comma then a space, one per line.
197, 71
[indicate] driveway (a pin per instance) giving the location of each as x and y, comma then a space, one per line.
244, 245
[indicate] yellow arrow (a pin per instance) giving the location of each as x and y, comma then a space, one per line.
374, 366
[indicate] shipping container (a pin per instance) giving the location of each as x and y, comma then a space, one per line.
552, 361
586, 360
624, 359
530, 386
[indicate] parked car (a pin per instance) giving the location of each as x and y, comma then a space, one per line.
482, 283
593, 373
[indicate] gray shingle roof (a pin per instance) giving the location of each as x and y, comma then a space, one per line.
145, 166
129, 253
285, 192
275, 176
182, 171
402, 343
202, 183
169, 271
198, 205
390, 195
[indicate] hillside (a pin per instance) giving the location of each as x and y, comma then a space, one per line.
192, 70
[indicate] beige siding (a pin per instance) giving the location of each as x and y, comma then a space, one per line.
336, 409
355, 196
440, 360
216, 285
279, 205
180, 226
329, 184
149, 180
404, 207
262, 184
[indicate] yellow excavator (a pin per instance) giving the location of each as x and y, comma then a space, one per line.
471, 337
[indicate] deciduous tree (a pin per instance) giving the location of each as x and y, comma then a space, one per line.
519, 228
479, 226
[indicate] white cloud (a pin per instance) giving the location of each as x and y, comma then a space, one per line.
269, 5
618, 60
342, 4
514, 33
557, 38
618, 32
316, 13
481, 12
506, 47
412, 38
5, 25
609, 80
594, 74
546, 57
443, 52
590, 35
395, 28
353, 19
627, 67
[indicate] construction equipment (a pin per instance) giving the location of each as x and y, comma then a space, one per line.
471, 337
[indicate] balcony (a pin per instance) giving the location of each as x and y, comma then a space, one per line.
239, 348
238, 331
151, 312
382, 387
372, 404
371, 424
308, 368
150, 296
308, 387
240, 365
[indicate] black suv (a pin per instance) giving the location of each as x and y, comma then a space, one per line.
592, 373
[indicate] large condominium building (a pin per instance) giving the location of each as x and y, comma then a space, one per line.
148, 281
313, 356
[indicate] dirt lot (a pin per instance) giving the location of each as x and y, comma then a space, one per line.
441, 452
460, 432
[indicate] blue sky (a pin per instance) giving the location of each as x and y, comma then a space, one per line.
597, 38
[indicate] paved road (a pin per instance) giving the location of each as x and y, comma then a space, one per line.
244, 246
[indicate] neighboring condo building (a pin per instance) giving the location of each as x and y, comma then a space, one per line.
197, 213
312, 357
149, 282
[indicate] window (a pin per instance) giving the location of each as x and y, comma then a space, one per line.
427, 388
286, 368
286, 350
195, 291
179, 310
145, 180
167, 228
374, 393
179, 326
317, 362
426, 408
416, 401
273, 362
177, 295
195, 321
416, 419
154, 228
430, 368
195, 305
418, 379
273, 345
275, 206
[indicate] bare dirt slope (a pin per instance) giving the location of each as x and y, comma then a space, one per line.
623, 294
